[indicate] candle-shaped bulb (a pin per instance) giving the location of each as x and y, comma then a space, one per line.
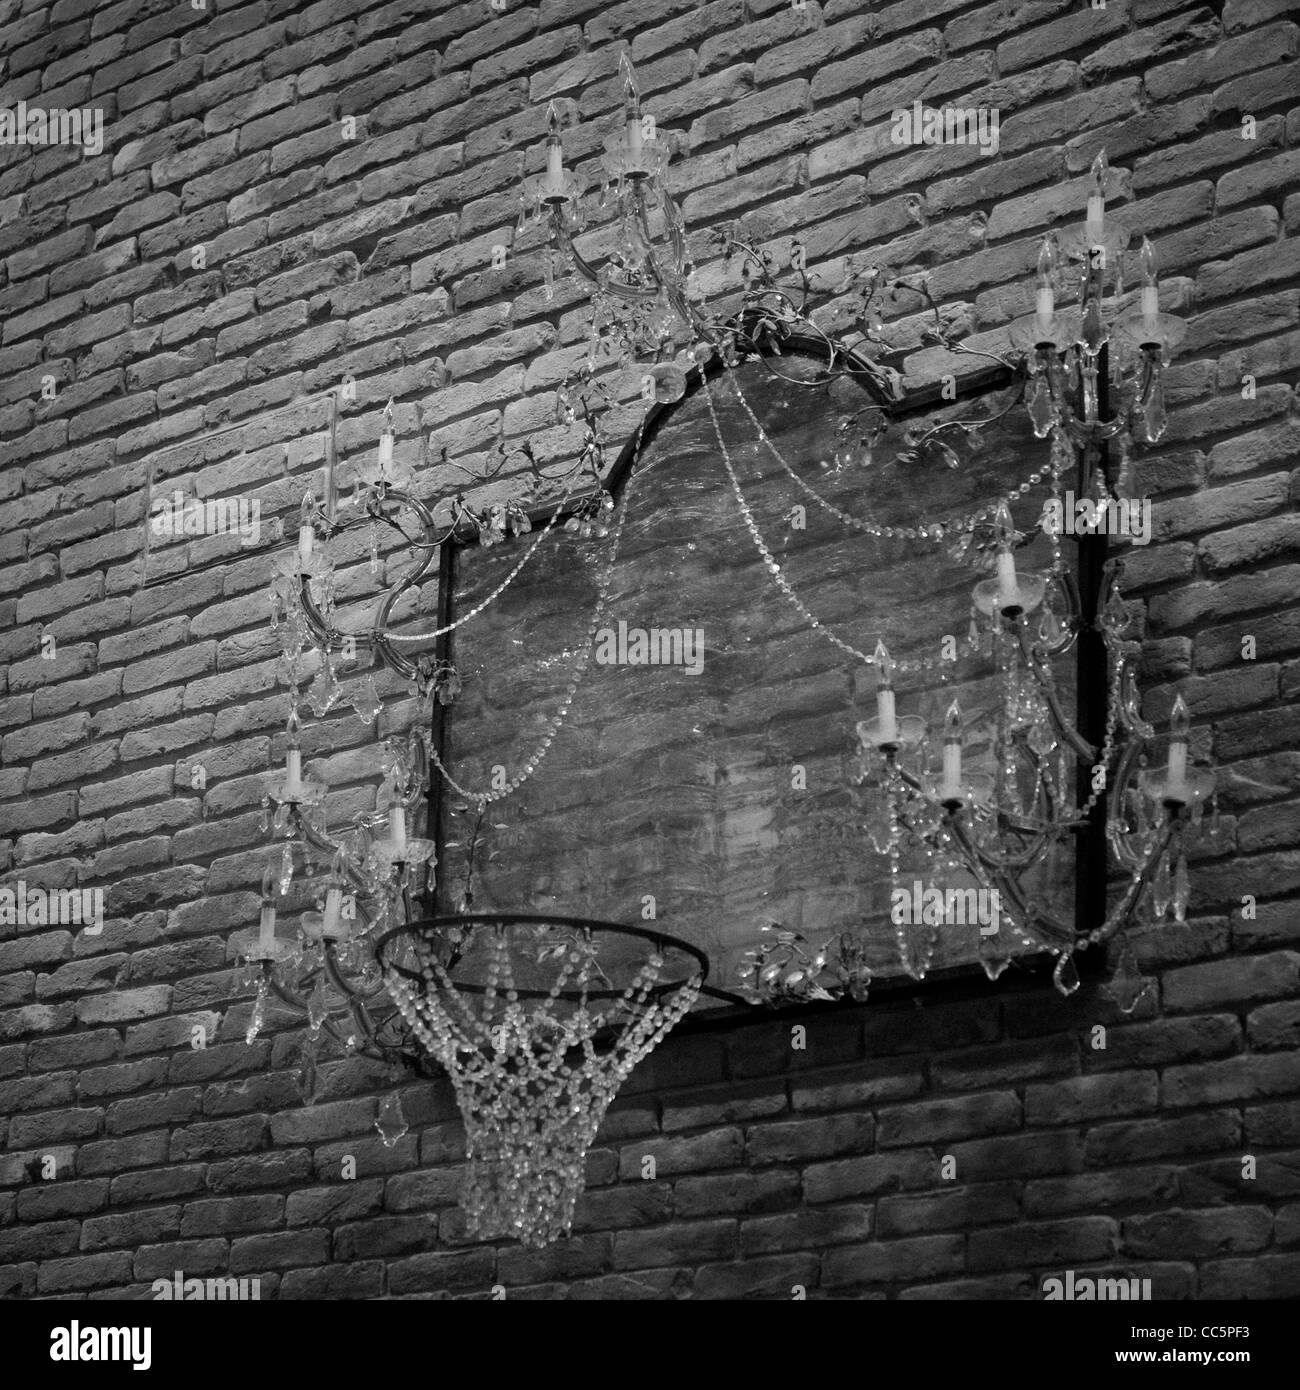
1004, 524
332, 917
1047, 264
952, 724
1097, 199
1180, 724
1150, 290
1180, 720
884, 667
386, 437
554, 150
306, 528
631, 93
306, 531
631, 106
950, 788
293, 765
1008, 586
1045, 305
886, 716
397, 830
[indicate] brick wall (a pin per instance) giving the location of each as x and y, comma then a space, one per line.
322, 256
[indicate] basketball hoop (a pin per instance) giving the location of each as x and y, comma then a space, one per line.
528, 1017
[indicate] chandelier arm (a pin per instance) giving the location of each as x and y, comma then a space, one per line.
326, 636
505, 583
296, 1001
1086, 751
1073, 622
1133, 893
1124, 774
1004, 862
602, 281
1052, 928
1128, 704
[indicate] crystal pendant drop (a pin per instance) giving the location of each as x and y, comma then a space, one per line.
390, 1122
1041, 410
325, 691
1154, 419
1182, 890
257, 1019
1066, 975
1161, 889
305, 1078
366, 701
993, 955
880, 823
317, 1007
374, 549
286, 869
1128, 987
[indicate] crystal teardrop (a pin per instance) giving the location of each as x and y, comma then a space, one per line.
1154, 418
317, 1008
1041, 410
256, 1019
1161, 890
1182, 889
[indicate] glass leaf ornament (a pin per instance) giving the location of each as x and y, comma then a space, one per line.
325, 691
366, 701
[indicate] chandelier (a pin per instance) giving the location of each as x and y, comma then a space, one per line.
537, 1021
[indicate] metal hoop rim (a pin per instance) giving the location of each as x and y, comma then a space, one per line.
510, 919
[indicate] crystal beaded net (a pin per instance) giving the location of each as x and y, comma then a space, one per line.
526, 1016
